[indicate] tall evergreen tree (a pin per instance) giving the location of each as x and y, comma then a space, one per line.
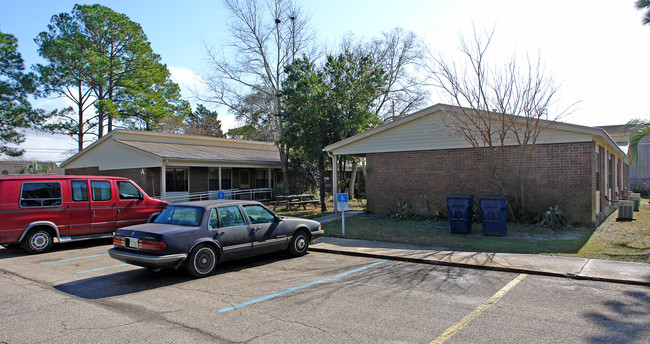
96, 49
203, 122
15, 87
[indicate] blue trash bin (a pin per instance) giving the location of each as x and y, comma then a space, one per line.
459, 211
494, 213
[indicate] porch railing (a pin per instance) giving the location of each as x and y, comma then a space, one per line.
261, 194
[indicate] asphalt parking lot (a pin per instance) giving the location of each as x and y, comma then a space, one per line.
77, 294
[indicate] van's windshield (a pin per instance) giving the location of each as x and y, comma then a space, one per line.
180, 215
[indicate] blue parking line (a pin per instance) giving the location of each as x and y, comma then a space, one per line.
298, 288
65, 260
99, 269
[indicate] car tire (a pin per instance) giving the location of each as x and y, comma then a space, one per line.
202, 261
38, 241
299, 244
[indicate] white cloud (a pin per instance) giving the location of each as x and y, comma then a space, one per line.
192, 83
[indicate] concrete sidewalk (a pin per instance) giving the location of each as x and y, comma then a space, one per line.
578, 268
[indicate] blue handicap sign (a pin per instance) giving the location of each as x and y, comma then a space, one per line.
341, 201
221, 195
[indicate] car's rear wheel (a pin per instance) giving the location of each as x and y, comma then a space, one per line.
299, 244
38, 241
202, 261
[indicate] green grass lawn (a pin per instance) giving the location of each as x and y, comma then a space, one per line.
519, 238
623, 241
612, 240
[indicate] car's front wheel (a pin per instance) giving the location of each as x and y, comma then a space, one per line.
202, 261
299, 244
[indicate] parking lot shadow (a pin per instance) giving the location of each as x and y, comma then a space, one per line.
141, 279
16, 251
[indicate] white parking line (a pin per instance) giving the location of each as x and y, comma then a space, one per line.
298, 288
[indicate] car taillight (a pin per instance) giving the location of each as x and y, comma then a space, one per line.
151, 245
118, 240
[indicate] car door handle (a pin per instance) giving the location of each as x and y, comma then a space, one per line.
255, 229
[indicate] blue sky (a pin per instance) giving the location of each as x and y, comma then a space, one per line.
597, 50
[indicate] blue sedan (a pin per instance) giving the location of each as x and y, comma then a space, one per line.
200, 234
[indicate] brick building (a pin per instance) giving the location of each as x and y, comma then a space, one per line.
419, 159
174, 166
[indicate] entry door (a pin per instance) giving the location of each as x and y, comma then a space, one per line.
227, 226
102, 205
80, 212
269, 235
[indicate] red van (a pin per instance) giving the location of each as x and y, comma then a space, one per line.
36, 210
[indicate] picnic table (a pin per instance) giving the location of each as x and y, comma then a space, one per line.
296, 200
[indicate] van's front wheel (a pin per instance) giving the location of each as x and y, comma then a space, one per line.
38, 241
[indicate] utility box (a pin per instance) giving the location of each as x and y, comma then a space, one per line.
636, 197
459, 211
625, 211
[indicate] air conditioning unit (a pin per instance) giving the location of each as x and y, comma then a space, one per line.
625, 211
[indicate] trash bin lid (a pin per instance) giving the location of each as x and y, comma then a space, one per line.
460, 196
494, 197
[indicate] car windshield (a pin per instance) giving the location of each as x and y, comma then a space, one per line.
180, 215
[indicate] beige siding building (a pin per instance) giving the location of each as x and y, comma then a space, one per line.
172, 165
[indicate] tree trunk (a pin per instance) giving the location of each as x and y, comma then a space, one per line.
321, 182
285, 167
353, 179
80, 124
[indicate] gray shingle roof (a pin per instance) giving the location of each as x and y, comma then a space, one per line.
203, 152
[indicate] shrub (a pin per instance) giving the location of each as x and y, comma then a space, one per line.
553, 218
402, 212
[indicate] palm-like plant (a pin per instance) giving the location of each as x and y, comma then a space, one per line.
35, 167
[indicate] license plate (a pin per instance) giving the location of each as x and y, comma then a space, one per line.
133, 243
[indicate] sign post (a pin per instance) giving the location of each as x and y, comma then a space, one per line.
342, 206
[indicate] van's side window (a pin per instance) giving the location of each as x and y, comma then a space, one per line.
127, 190
101, 190
42, 194
79, 190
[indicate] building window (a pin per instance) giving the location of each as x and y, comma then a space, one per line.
213, 179
226, 178
244, 179
620, 175
261, 181
610, 174
176, 179
597, 171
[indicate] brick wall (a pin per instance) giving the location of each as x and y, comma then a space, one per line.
561, 174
